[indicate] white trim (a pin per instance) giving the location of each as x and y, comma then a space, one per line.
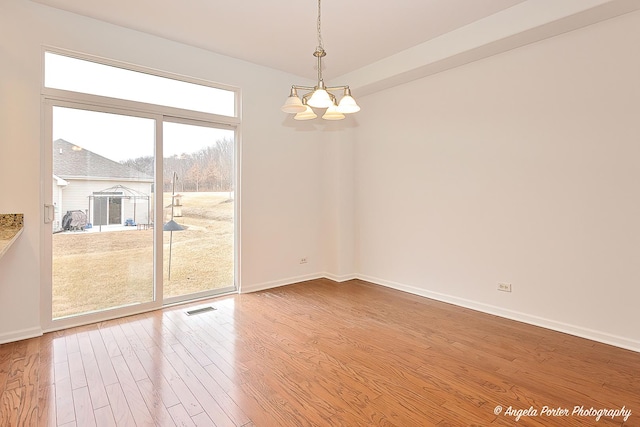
97, 102
340, 279
76, 96
158, 247
46, 198
237, 209
209, 293
91, 178
553, 325
277, 283
99, 316
133, 67
22, 334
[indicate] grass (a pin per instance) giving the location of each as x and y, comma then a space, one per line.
99, 270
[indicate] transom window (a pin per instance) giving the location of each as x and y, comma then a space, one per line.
78, 75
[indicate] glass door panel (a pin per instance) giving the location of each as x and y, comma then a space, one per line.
198, 215
103, 194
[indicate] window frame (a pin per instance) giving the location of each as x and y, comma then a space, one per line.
50, 98
137, 105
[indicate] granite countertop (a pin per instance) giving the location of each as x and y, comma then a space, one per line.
11, 226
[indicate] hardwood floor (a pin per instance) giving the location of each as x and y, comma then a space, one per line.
314, 354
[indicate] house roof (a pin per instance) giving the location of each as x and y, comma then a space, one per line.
72, 161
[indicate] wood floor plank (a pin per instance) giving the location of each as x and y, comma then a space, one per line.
104, 417
59, 349
103, 359
131, 392
312, 354
72, 345
65, 412
228, 405
10, 406
6, 352
83, 407
76, 371
143, 336
153, 399
176, 382
180, 416
94, 381
153, 325
109, 341
127, 350
28, 411
156, 375
203, 420
46, 406
189, 339
45, 360
15, 377
208, 403
28, 415
119, 406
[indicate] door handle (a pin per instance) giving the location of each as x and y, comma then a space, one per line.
49, 213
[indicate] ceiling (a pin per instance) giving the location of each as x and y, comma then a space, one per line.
282, 34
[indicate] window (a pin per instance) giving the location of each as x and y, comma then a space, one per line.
78, 75
113, 136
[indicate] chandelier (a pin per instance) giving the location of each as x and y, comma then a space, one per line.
320, 96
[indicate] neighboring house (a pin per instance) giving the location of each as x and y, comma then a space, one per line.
108, 192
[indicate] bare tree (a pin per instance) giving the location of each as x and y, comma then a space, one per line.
208, 169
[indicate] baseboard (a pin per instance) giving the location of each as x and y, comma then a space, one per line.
22, 334
339, 279
277, 283
578, 331
290, 281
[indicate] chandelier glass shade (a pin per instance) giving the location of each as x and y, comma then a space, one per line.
320, 96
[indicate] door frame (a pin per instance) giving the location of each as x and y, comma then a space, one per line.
48, 323
57, 98
236, 215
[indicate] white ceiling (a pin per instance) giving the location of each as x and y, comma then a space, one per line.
357, 34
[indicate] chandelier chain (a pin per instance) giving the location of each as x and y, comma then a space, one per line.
320, 46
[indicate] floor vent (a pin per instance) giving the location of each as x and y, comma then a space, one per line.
199, 310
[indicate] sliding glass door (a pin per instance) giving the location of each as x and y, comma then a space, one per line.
198, 213
101, 258
116, 243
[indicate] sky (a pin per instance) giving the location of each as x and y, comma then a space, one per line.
120, 137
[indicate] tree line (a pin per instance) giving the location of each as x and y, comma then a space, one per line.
209, 169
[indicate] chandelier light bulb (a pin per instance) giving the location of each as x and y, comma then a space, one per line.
307, 114
347, 104
320, 99
293, 104
332, 113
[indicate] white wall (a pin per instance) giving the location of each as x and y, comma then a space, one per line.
520, 168
281, 181
338, 207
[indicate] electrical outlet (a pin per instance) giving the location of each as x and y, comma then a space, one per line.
504, 287
303, 260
